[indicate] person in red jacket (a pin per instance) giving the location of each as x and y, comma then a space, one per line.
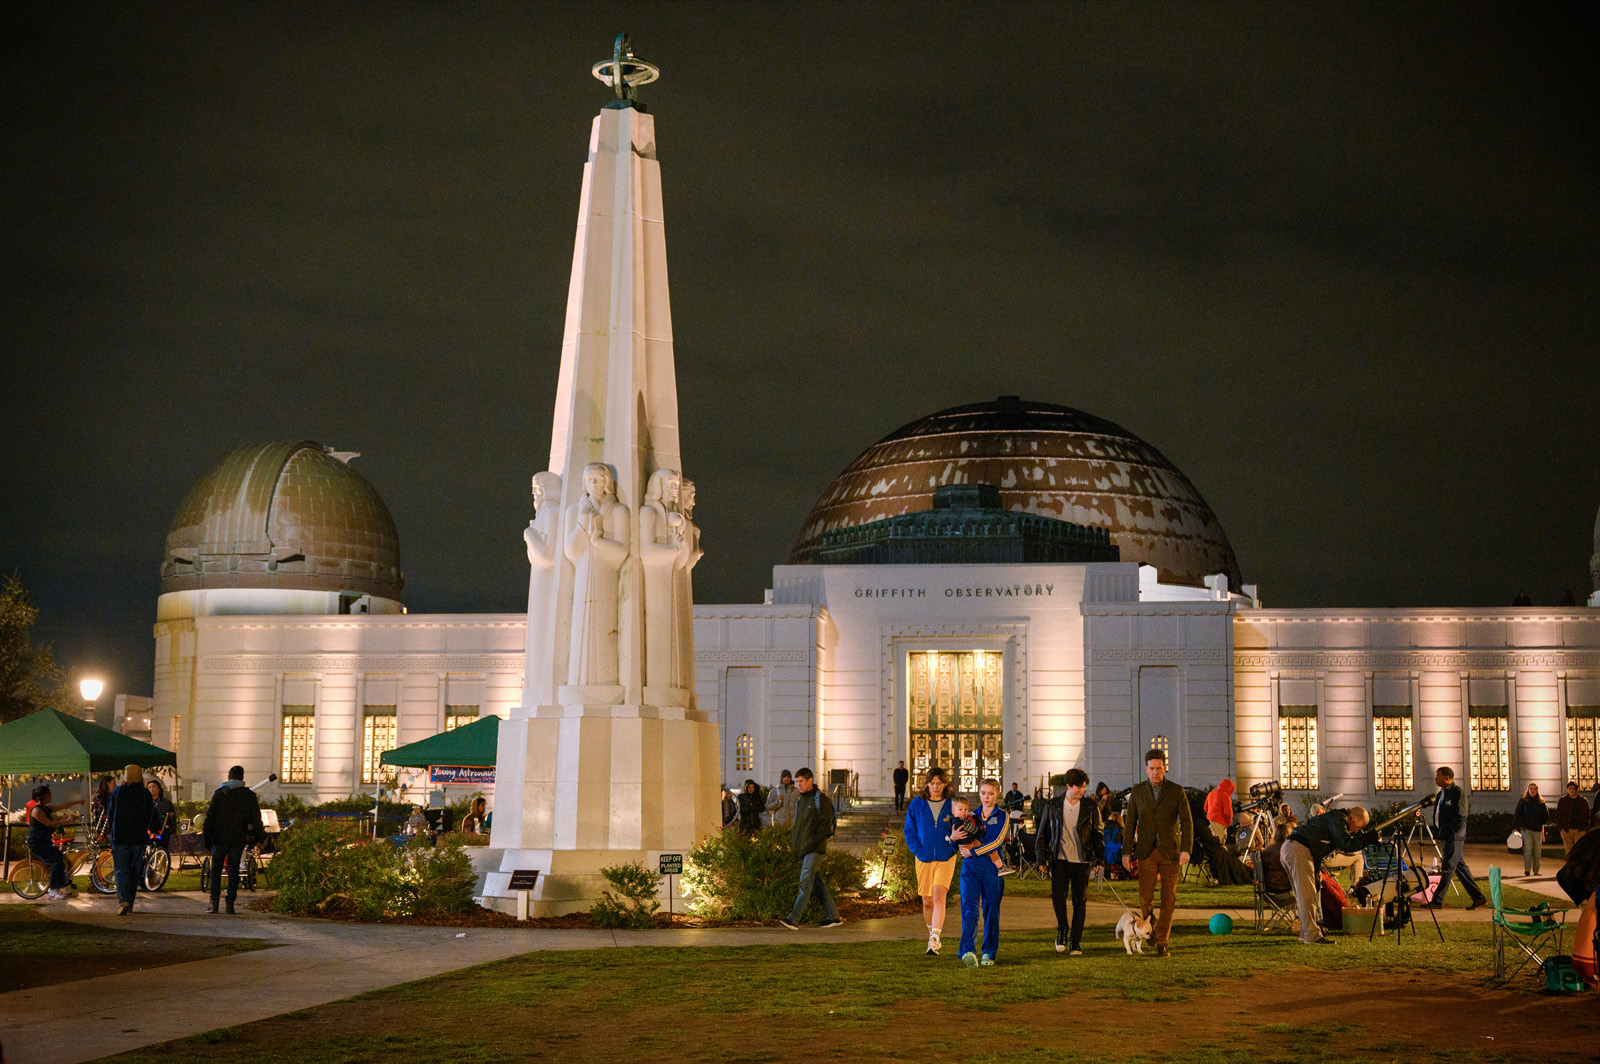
1219, 810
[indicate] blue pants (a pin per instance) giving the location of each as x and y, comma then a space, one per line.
46, 851
1452, 864
980, 882
811, 882
129, 864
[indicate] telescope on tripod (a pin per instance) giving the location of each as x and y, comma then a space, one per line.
1410, 810
1400, 866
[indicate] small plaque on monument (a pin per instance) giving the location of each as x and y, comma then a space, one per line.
523, 879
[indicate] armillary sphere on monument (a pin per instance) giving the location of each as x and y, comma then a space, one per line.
623, 72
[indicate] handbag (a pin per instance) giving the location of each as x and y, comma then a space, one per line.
1514, 840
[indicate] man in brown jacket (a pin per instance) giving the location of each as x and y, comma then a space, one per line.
1158, 831
1572, 816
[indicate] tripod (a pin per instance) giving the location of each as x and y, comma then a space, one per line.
1401, 859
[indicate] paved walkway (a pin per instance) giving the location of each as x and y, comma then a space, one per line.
314, 962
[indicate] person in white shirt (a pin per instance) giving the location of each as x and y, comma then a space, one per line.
1071, 841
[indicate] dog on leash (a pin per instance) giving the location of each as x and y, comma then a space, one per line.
1134, 931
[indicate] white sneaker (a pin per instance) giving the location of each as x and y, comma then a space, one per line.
53, 895
68, 892
934, 944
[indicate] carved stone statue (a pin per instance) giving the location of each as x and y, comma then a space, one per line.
660, 548
543, 540
597, 544
687, 534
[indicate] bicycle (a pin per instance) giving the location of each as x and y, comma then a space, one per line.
250, 867
156, 865
30, 878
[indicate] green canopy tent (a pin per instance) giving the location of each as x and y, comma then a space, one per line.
51, 743
450, 757
472, 745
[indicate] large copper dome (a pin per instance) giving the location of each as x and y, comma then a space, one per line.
1045, 459
290, 516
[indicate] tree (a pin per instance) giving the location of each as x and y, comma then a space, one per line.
30, 679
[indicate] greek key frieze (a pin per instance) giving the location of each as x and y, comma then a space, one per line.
310, 663
722, 656
1417, 659
1185, 654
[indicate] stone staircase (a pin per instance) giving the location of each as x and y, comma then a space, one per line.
863, 826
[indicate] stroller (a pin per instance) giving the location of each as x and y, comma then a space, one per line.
1113, 846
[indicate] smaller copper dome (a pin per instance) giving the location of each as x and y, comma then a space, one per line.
289, 516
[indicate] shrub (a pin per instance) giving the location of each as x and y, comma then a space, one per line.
738, 877
326, 865
637, 884
1484, 827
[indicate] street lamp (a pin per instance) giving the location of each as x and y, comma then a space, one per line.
90, 689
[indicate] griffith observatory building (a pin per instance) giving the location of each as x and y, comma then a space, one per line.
1009, 588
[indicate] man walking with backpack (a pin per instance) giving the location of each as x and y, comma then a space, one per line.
232, 822
813, 825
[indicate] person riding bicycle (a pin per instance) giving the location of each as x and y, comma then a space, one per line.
41, 842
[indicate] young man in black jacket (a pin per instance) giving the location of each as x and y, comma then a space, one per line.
814, 824
233, 822
1070, 839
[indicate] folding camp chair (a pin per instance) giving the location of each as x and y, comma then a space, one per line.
1540, 928
1272, 910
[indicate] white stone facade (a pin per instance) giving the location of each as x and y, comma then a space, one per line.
1534, 668
222, 684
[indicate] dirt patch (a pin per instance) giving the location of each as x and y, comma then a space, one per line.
853, 909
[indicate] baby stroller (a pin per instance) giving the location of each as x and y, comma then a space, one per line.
1113, 844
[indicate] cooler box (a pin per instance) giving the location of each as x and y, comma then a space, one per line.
1360, 921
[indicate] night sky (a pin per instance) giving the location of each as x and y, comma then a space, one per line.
1336, 261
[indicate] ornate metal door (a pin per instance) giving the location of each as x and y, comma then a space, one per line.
956, 702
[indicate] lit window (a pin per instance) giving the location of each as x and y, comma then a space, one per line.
1488, 747
1162, 743
1583, 745
377, 739
744, 754
459, 716
1297, 747
1392, 765
299, 742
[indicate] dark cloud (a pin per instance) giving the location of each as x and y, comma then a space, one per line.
1333, 260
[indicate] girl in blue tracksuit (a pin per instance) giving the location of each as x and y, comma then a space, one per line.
980, 879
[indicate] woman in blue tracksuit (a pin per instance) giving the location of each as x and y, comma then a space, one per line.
980, 879
927, 835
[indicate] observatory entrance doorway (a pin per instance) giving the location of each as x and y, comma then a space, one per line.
956, 714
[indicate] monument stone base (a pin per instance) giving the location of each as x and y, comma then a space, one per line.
601, 786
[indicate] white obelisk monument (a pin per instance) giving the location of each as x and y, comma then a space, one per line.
608, 760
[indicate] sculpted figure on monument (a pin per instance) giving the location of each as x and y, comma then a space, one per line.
660, 549
597, 545
687, 535
543, 540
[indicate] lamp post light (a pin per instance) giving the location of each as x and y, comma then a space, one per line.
90, 689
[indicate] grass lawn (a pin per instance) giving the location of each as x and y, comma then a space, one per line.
1239, 999
1193, 895
38, 951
